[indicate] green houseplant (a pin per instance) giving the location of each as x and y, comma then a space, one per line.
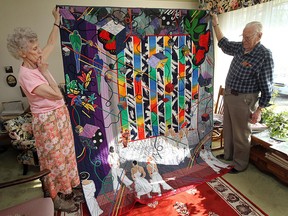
277, 123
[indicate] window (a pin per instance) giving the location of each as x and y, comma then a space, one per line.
273, 15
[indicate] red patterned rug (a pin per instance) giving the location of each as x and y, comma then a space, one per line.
213, 198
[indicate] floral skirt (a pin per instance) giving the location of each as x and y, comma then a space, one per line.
55, 148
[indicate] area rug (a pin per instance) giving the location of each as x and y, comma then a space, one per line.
213, 198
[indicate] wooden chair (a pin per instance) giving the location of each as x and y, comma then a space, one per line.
35, 207
218, 119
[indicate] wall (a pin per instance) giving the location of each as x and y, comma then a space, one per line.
37, 15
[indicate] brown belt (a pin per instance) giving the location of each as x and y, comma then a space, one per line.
234, 92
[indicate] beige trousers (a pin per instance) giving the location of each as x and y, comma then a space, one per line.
237, 130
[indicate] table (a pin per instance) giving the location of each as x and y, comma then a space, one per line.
267, 158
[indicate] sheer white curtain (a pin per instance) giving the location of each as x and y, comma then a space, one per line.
274, 17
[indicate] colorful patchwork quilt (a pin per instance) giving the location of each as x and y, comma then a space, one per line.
139, 88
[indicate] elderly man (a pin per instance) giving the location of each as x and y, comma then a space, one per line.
248, 89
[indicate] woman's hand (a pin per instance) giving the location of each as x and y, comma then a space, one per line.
56, 15
42, 66
53, 37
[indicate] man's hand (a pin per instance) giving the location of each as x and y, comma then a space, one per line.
216, 27
215, 21
255, 117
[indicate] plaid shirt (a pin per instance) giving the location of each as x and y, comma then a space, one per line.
251, 72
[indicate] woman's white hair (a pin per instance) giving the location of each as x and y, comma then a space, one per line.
19, 40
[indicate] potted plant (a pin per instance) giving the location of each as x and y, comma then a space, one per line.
277, 123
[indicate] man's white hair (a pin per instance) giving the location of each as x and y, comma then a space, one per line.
256, 24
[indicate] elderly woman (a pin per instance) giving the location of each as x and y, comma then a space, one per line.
51, 122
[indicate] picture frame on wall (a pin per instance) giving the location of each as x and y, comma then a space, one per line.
11, 80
